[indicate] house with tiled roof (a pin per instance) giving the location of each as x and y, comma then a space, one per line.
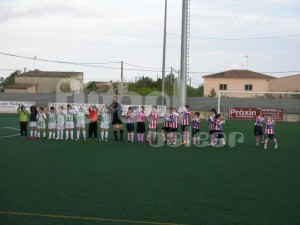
285, 84
236, 80
21, 88
47, 82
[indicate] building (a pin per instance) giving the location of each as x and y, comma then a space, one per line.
21, 88
236, 80
285, 84
47, 82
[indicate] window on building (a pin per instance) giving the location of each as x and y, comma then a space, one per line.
248, 87
223, 87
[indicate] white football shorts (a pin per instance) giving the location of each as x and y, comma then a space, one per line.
69, 125
104, 125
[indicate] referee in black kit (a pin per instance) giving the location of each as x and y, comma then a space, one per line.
115, 110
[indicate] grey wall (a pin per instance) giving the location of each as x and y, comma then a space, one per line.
196, 103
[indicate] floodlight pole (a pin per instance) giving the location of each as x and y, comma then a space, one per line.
164, 56
183, 60
122, 78
219, 102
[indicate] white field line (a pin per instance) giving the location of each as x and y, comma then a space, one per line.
10, 128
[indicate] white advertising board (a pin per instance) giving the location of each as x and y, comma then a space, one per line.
160, 109
12, 106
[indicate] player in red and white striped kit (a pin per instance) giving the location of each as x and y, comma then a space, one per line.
173, 126
259, 119
196, 128
153, 124
130, 125
165, 131
219, 121
185, 124
211, 121
270, 131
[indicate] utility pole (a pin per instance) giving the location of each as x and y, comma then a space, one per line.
34, 63
247, 60
122, 78
172, 76
164, 56
178, 79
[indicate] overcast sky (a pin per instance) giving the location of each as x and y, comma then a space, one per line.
132, 31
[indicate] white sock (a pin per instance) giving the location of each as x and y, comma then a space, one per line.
72, 136
35, 133
67, 134
78, 134
44, 134
102, 135
62, 134
58, 132
84, 134
31, 133
50, 134
106, 135
53, 134
39, 134
223, 141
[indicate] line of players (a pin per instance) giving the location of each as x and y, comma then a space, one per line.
64, 119
269, 130
60, 119
169, 132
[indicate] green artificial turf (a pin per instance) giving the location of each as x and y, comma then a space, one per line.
241, 185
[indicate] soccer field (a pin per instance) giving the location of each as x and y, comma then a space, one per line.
95, 183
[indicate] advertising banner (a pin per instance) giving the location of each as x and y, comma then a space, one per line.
12, 106
160, 109
250, 113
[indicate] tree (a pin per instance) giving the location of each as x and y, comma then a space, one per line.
143, 86
116, 88
212, 93
9, 80
103, 88
195, 92
91, 86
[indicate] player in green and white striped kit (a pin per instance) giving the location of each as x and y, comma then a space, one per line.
41, 122
80, 122
51, 122
104, 123
69, 122
60, 123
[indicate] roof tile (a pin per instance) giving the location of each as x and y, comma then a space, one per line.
239, 74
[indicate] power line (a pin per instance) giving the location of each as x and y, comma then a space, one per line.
78, 64
118, 68
101, 63
55, 61
238, 39
9, 69
156, 68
